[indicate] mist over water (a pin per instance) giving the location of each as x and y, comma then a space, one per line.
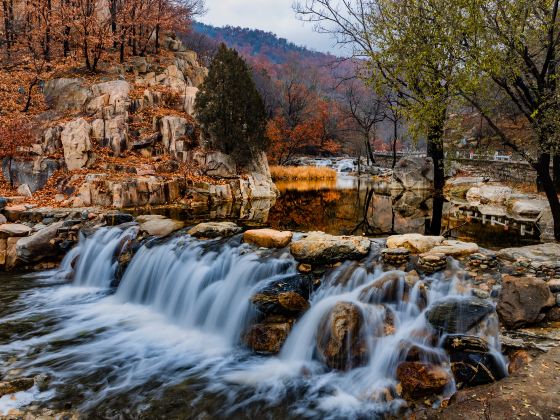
178, 316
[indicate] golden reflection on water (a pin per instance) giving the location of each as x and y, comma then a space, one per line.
303, 186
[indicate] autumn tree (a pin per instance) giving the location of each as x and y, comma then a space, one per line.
230, 109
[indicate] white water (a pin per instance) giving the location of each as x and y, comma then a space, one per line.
179, 313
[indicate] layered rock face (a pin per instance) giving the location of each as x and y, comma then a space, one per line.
413, 173
148, 109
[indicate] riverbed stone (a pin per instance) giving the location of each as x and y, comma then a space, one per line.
17, 385
285, 296
455, 248
319, 247
267, 337
268, 238
523, 300
549, 252
415, 242
8, 230
419, 380
212, 230
161, 227
392, 288
458, 315
340, 342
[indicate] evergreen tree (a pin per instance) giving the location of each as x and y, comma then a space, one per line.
230, 109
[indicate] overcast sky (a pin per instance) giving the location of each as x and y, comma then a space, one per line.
275, 16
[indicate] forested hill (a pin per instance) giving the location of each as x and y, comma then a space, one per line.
257, 43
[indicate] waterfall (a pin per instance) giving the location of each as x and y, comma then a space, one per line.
95, 257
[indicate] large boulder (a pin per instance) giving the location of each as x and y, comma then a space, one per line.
414, 173
34, 173
10, 230
40, 245
526, 208
161, 227
267, 337
268, 238
66, 95
341, 342
115, 95
414, 242
472, 362
419, 380
523, 300
458, 315
214, 230
284, 296
76, 142
319, 247
539, 253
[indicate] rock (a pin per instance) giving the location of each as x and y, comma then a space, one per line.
419, 380
554, 285
3, 203
115, 219
115, 95
8, 230
472, 363
40, 245
518, 359
76, 143
148, 217
526, 208
540, 253
392, 287
66, 95
16, 385
395, 256
268, 238
267, 337
340, 342
214, 230
553, 315
414, 242
35, 173
456, 315
412, 173
318, 247
286, 296
489, 194
24, 190
455, 248
42, 382
161, 227
3, 219
431, 262
522, 301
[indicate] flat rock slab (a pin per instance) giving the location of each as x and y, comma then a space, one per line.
319, 247
416, 243
541, 253
161, 227
214, 230
455, 248
268, 238
9, 230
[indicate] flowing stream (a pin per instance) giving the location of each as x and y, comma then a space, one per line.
171, 331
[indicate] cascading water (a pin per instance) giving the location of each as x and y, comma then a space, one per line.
178, 315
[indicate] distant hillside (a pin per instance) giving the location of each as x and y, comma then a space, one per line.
257, 43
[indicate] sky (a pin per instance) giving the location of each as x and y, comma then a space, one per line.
275, 16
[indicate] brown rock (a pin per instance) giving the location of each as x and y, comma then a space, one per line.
11, 253
553, 315
522, 301
518, 360
391, 287
16, 385
293, 301
268, 238
419, 380
268, 337
318, 247
9, 230
340, 341
305, 268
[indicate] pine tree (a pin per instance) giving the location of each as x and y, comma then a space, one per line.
230, 109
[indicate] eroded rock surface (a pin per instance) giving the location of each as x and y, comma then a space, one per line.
319, 247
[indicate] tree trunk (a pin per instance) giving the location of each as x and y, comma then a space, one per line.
369, 151
556, 172
395, 138
435, 151
434, 226
542, 166
543, 162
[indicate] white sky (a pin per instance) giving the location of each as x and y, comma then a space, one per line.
275, 16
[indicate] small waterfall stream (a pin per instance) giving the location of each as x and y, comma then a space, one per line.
179, 313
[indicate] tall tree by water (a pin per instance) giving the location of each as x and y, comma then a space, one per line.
229, 107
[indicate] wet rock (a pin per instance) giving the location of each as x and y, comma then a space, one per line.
392, 287
518, 359
432, 262
16, 385
522, 300
341, 343
214, 230
458, 315
115, 219
414, 242
396, 256
419, 380
413, 173
40, 245
9, 230
472, 363
267, 337
319, 247
42, 381
161, 227
268, 238
286, 296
